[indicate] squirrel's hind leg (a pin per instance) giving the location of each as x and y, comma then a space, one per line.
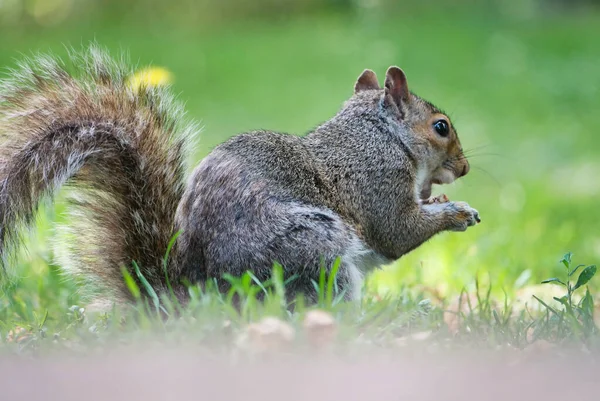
301, 238
312, 238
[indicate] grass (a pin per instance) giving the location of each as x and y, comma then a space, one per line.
521, 89
211, 320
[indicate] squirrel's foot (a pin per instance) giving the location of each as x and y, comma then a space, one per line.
435, 199
462, 216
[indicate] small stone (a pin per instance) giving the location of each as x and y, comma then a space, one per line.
421, 336
268, 335
320, 328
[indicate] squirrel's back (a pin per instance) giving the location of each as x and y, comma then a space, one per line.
229, 216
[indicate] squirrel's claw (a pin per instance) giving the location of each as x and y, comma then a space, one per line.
435, 199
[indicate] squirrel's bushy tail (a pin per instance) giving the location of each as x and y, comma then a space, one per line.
120, 150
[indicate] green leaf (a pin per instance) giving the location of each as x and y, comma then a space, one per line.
553, 280
585, 276
574, 270
257, 282
246, 282
279, 284
232, 280
587, 303
496, 317
331, 280
551, 309
166, 262
563, 300
566, 260
322, 283
291, 279
147, 286
131, 284
316, 286
43, 322
339, 298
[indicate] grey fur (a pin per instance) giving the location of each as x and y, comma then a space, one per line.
352, 188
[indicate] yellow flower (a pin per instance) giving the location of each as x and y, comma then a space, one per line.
150, 77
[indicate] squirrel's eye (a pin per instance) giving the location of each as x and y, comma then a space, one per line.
441, 127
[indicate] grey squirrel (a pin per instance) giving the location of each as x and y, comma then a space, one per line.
356, 187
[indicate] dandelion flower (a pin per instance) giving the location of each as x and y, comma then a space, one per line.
150, 77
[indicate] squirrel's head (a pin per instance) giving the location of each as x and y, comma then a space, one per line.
424, 129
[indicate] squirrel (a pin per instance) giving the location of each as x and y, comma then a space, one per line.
357, 187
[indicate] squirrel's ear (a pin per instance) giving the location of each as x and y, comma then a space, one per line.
396, 85
367, 80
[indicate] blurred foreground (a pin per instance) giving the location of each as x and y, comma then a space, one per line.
179, 374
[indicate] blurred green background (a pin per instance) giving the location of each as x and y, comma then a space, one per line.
520, 79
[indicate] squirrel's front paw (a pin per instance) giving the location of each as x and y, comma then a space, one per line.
462, 216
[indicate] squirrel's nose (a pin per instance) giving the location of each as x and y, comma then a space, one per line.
465, 170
